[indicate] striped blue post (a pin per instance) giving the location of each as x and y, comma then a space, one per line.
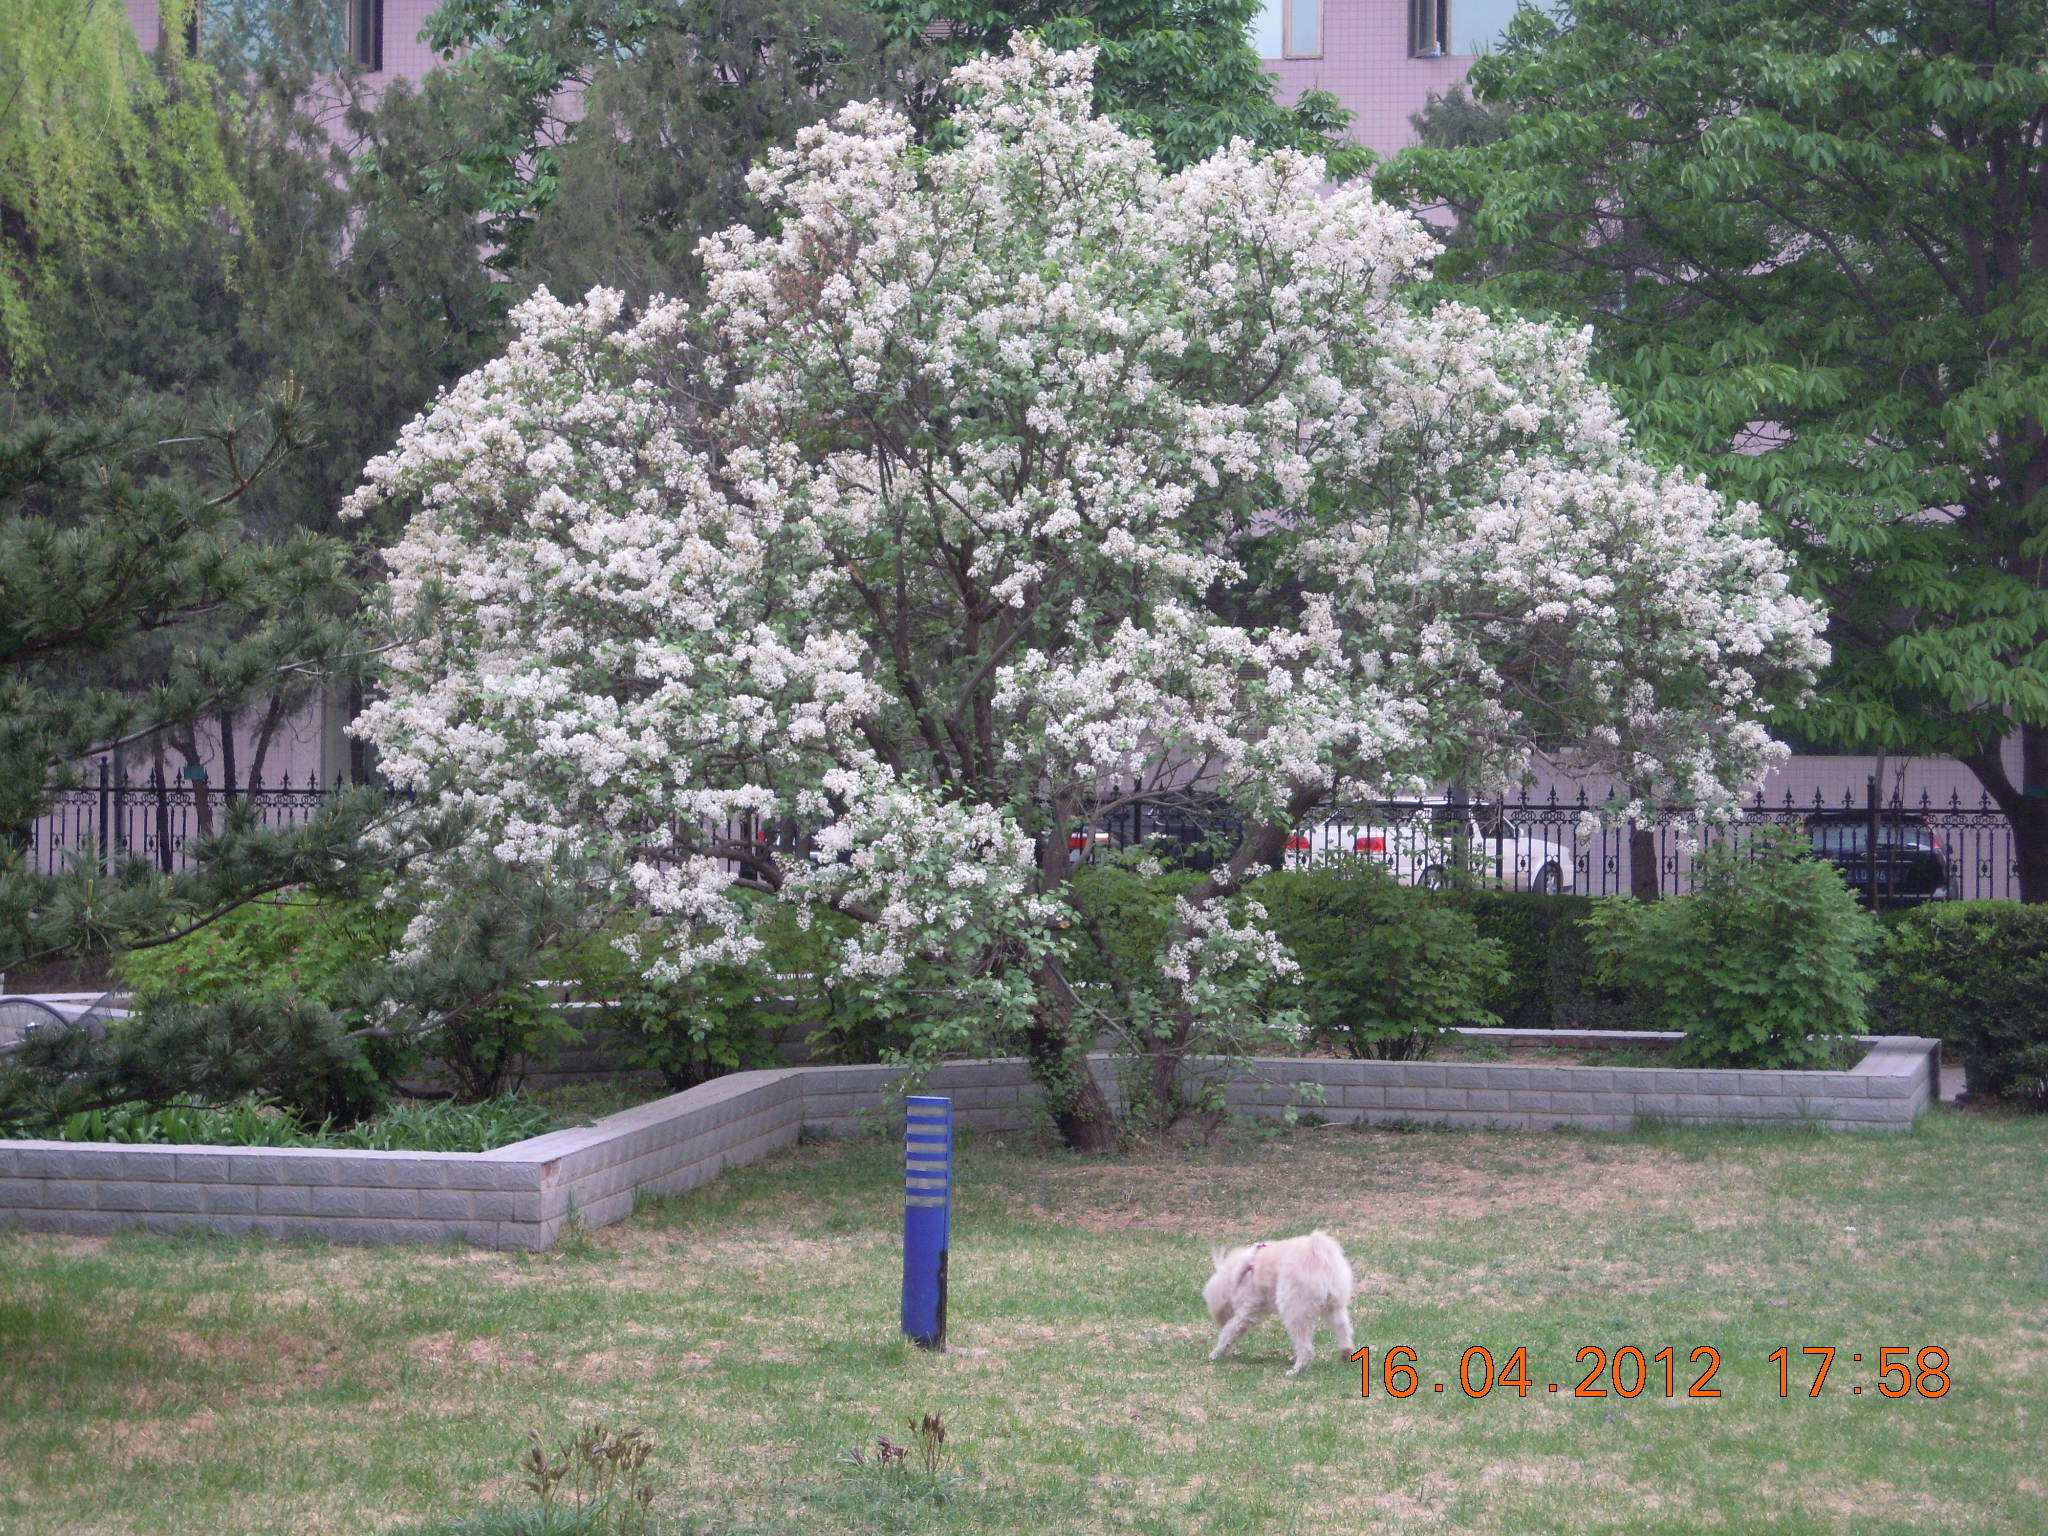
927, 1216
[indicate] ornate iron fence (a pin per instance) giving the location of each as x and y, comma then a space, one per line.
108, 819
1550, 843
1576, 844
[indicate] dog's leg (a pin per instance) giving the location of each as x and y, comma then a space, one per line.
1232, 1332
1304, 1336
1341, 1321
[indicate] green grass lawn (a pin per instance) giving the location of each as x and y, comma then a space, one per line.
206, 1386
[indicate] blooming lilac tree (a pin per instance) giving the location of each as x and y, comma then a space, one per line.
1002, 477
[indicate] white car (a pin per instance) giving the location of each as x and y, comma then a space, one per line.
1432, 842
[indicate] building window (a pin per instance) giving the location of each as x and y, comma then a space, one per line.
366, 33
1288, 29
1429, 23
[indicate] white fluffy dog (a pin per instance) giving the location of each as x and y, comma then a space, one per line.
1306, 1280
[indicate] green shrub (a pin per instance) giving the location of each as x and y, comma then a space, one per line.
1550, 981
487, 1020
1385, 968
1525, 926
1763, 965
1127, 919
1974, 974
425, 1126
287, 946
701, 1025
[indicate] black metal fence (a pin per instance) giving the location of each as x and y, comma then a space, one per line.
1904, 849
1549, 843
108, 819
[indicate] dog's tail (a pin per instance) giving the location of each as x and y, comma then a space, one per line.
1330, 1258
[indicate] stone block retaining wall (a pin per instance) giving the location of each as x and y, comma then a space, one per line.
524, 1195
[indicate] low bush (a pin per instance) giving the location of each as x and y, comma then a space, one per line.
474, 1013
1126, 919
1764, 965
1974, 974
429, 1126
1385, 968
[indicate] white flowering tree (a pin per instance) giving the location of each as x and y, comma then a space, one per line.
1003, 477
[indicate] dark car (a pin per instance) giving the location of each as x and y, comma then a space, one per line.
1910, 866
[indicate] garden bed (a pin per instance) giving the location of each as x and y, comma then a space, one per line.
1895, 1079
527, 1194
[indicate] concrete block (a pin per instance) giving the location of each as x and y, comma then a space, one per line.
229, 1199
507, 1205
1491, 1099
337, 1200
1358, 1096
22, 1194
140, 1165
283, 1199
389, 1202
1382, 1074
109, 1195
1786, 1106
1406, 1098
75, 1223
1443, 1098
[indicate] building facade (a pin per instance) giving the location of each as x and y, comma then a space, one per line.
1381, 59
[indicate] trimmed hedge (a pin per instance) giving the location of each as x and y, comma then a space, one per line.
1550, 982
1975, 974
1385, 969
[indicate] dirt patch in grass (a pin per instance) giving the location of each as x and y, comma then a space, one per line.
1375, 1179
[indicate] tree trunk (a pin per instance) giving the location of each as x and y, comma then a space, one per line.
2027, 814
1082, 1112
1264, 845
1645, 881
227, 756
1080, 1109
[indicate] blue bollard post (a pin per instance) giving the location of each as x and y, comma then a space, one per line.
927, 1216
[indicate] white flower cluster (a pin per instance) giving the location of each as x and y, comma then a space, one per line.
995, 473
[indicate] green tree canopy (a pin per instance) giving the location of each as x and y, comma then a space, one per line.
1813, 240
1182, 73
96, 142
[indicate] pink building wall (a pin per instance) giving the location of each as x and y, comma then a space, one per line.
405, 56
1365, 64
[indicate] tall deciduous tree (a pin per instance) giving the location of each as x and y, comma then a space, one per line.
97, 144
1001, 476
1813, 239
672, 126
